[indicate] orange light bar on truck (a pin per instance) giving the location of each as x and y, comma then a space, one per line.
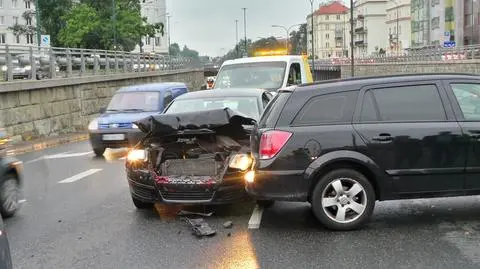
270, 52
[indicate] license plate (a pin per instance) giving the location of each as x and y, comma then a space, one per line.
111, 137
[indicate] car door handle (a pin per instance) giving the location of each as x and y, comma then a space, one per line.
382, 138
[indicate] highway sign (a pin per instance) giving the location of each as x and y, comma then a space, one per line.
45, 40
449, 44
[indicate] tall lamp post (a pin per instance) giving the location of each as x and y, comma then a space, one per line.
236, 36
245, 28
288, 32
168, 32
37, 18
313, 42
114, 20
352, 62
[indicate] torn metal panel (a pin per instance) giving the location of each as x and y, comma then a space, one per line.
200, 227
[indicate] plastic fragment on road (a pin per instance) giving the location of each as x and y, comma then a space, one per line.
189, 213
200, 227
228, 224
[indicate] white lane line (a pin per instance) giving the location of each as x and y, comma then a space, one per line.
44, 157
66, 155
256, 218
80, 176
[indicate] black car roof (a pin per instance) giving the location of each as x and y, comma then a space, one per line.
345, 84
222, 93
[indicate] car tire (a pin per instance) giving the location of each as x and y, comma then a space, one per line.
141, 204
9, 196
265, 203
349, 208
99, 151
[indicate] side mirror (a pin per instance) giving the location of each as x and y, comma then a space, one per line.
102, 110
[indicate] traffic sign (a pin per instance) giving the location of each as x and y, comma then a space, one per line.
447, 34
45, 40
449, 44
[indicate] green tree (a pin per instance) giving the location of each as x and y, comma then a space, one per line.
298, 40
175, 49
186, 52
90, 25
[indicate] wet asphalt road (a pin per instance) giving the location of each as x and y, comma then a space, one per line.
90, 222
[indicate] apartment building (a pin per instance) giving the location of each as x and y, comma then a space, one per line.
398, 25
370, 27
471, 21
156, 12
437, 23
17, 12
331, 31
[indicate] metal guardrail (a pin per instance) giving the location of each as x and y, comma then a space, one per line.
424, 55
16, 62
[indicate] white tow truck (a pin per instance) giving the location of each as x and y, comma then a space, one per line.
264, 72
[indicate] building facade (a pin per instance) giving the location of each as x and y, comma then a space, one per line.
471, 21
370, 27
19, 12
156, 12
398, 25
437, 23
331, 31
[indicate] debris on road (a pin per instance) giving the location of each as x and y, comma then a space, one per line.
228, 224
189, 213
200, 227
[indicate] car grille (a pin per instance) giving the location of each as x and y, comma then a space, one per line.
186, 195
115, 125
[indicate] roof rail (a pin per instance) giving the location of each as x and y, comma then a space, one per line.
387, 76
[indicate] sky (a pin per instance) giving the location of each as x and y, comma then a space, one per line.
208, 26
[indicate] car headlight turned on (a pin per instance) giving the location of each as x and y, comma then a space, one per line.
93, 125
137, 155
241, 161
250, 176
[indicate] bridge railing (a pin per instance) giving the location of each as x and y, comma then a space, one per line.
423, 55
31, 62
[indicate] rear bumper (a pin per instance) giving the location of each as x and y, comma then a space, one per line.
142, 187
278, 185
132, 137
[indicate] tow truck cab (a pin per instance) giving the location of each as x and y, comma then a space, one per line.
264, 72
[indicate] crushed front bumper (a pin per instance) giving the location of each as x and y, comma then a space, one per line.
231, 189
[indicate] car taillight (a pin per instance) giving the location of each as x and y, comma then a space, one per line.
272, 142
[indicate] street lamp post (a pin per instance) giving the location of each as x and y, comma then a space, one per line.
313, 42
114, 20
288, 32
236, 36
37, 18
245, 28
168, 32
352, 62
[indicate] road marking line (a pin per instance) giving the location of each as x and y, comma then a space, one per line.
67, 155
256, 218
22, 201
80, 176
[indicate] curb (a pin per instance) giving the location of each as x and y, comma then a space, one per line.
47, 143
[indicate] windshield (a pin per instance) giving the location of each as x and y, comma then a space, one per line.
262, 75
247, 106
135, 101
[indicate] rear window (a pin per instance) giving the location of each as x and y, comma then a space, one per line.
272, 111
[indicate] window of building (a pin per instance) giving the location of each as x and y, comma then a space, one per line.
17, 39
1, 3
468, 99
29, 38
326, 17
390, 30
2, 20
27, 4
327, 109
29, 21
436, 23
3, 38
14, 3
327, 26
327, 45
338, 17
15, 20
327, 36
157, 41
406, 103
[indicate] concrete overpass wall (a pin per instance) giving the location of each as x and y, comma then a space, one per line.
458, 66
33, 109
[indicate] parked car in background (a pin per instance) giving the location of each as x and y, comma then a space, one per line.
114, 127
10, 179
343, 144
198, 151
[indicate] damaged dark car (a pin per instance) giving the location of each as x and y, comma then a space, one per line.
197, 152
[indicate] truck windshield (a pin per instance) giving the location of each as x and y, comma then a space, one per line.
261, 75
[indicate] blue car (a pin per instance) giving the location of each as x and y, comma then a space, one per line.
114, 127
